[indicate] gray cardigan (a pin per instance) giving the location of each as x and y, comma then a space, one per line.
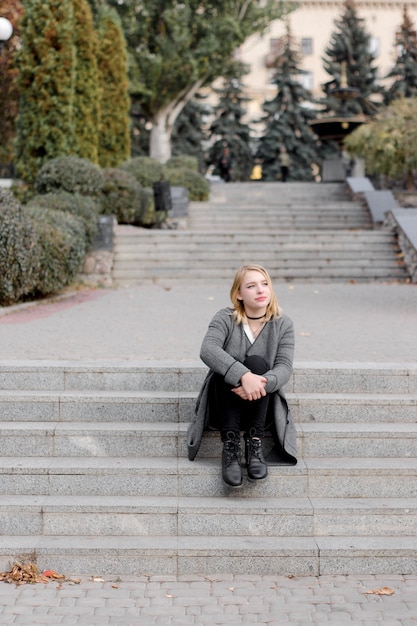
224, 348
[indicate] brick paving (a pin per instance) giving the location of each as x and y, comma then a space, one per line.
215, 599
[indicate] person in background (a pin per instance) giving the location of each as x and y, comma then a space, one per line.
249, 350
225, 163
284, 163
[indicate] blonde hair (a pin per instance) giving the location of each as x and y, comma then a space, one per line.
273, 310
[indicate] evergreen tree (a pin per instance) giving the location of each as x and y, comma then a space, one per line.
189, 134
86, 94
178, 46
9, 96
349, 52
140, 131
228, 126
286, 120
46, 61
405, 69
114, 130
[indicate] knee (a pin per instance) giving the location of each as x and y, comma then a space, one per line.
256, 364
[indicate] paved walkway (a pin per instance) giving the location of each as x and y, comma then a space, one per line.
334, 322
274, 601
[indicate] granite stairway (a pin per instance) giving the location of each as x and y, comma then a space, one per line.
299, 231
95, 477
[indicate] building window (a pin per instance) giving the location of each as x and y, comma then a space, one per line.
306, 45
306, 80
375, 46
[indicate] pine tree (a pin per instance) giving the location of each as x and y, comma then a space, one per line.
349, 51
46, 60
86, 94
189, 134
405, 69
229, 128
286, 119
114, 130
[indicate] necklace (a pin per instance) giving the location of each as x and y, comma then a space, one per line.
257, 330
256, 318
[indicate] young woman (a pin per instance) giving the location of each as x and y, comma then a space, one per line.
249, 349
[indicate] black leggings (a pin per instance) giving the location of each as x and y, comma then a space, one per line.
236, 414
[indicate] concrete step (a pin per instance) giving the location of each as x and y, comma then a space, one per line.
263, 222
336, 254
49, 407
193, 516
141, 235
280, 262
164, 276
162, 439
159, 378
319, 477
94, 455
156, 555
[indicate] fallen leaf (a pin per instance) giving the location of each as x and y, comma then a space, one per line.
97, 579
383, 591
50, 573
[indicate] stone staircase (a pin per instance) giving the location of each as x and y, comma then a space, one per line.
299, 231
95, 478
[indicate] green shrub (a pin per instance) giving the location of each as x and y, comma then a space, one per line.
19, 262
198, 187
121, 196
149, 217
146, 170
183, 161
62, 247
70, 174
83, 207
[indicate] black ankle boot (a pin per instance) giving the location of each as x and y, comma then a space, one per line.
231, 461
255, 463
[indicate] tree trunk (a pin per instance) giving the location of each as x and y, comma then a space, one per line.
160, 139
163, 123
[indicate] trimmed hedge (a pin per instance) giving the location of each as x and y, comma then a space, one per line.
149, 216
122, 196
70, 174
61, 248
146, 170
179, 171
83, 207
19, 261
183, 161
198, 187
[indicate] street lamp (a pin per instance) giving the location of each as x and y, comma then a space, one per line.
6, 31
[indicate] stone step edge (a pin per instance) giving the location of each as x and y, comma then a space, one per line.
359, 368
175, 466
164, 397
202, 545
200, 505
392, 430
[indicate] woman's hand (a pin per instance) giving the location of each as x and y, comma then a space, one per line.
252, 387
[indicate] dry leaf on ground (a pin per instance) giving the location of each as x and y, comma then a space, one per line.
28, 573
383, 591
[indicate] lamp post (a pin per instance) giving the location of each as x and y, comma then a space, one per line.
6, 31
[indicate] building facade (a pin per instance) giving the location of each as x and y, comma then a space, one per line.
312, 23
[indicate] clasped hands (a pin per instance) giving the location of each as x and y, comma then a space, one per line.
252, 387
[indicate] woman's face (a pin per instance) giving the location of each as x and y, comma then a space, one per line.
255, 293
